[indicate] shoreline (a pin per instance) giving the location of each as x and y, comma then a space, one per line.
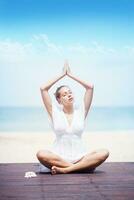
21, 147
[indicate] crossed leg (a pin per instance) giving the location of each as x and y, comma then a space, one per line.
49, 159
58, 165
89, 162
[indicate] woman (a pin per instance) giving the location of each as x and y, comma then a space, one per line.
68, 154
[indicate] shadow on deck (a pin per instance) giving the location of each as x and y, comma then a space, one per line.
110, 181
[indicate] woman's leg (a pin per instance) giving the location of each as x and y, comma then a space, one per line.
89, 161
49, 159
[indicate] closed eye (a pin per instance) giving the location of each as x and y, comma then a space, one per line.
66, 93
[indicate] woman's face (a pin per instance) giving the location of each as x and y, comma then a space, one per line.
66, 96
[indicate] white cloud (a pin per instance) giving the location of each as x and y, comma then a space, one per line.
47, 44
78, 48
39, 48
12, 51
92, 49
129, 49
24, 66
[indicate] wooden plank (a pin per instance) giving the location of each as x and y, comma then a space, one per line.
109, 181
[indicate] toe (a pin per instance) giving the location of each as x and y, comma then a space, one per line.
53, 170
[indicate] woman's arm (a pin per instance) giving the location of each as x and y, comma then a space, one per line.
45, 94
89, 91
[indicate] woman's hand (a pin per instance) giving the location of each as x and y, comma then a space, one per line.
67, 68
68, 71
64, 70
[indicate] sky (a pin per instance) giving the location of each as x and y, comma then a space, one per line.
96, 36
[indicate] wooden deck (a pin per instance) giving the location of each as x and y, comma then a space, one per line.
110, 181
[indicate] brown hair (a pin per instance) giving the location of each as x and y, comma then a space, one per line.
57, 93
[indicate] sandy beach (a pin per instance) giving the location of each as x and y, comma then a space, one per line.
19, 147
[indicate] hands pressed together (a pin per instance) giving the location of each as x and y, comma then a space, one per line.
66, 69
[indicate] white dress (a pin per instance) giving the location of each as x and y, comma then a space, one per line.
68, 143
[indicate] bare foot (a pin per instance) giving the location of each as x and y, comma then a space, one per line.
57, 170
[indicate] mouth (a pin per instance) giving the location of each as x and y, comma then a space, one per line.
70, 99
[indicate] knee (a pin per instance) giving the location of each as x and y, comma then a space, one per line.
42, 155
104, 154
39, 155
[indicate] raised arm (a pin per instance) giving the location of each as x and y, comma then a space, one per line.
89, 91
45, 94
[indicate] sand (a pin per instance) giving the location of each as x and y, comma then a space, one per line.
18, 147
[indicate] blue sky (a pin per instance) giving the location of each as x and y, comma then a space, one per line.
36, 36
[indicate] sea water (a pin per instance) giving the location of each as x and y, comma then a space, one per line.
35, 119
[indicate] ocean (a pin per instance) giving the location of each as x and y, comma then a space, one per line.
33, 119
